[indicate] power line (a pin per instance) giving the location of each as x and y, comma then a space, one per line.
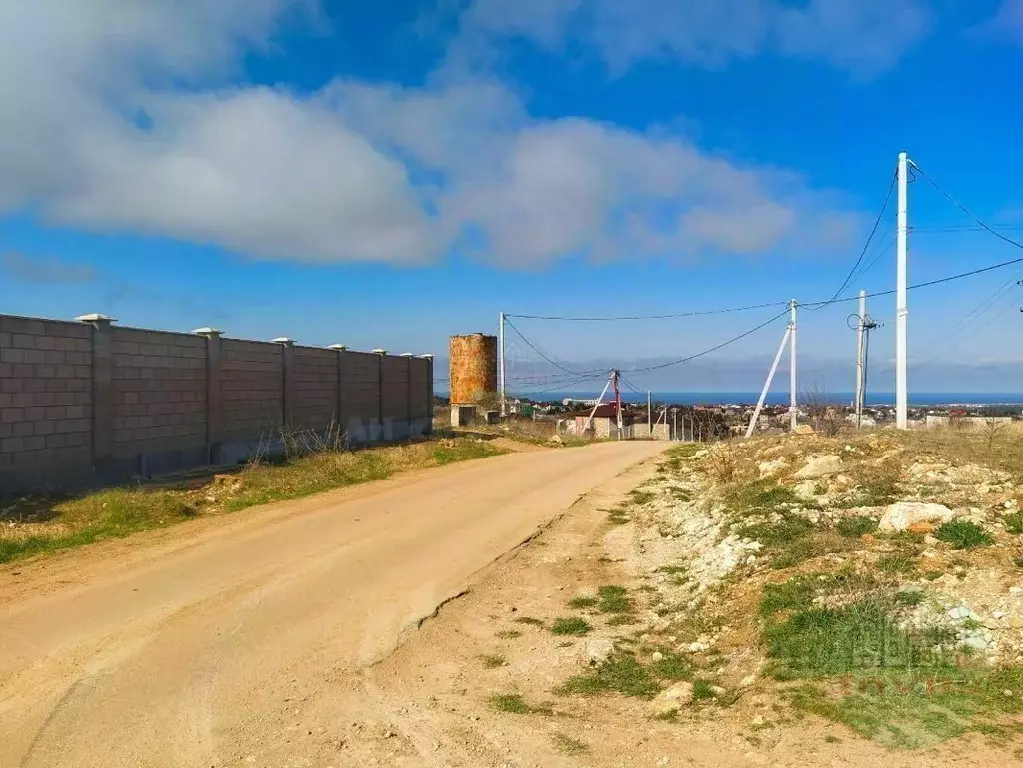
866, 245
568, 384
541, 353
966, 210
722, 345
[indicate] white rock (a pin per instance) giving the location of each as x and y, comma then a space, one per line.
673, 699
717, 690
748, 681
657, 656
998, 615
820, 466
959, 613
902, 514
597, 649
771, 467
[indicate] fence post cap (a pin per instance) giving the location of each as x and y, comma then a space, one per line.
379, 351
282, 340
209, 333
338, 347
95, 317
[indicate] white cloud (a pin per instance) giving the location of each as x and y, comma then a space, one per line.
864, 36
97, 131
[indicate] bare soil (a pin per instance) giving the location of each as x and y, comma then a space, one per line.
252, 640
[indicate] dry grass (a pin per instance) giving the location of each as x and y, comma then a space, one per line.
118, 512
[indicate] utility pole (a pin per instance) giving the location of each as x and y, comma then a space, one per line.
674, 423
859, 357
618, 400
792, 366
649, 413
501, 370
902, 312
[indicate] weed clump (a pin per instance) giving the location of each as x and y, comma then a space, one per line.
856, 526
963, 534
572, 625
621, 673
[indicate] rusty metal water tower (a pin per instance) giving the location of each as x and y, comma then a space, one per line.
473, 368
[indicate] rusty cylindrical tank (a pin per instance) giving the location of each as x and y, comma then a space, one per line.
473, 368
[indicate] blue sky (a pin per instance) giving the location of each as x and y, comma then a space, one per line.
387, 174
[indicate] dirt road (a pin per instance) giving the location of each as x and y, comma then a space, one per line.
204, 645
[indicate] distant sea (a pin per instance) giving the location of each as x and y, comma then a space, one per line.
918, 399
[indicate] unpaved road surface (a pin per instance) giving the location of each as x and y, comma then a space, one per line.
210, 643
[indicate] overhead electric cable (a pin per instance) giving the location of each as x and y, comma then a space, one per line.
866, 245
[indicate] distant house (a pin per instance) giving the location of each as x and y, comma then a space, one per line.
605, 422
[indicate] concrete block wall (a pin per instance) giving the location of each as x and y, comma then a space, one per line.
88, 403
252, 390
361, 400
316, 378
159, 399
45, 398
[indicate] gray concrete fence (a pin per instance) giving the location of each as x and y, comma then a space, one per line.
88, 403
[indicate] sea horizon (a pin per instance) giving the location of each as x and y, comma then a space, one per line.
918, 399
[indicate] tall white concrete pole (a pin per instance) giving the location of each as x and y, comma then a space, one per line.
649, 413
792, 369
859, 357
902, 312
501, 370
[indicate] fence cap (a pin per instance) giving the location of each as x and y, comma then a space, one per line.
95, 318
427, 357
282, 340
379, 351
407, 354
338, 347
209, 332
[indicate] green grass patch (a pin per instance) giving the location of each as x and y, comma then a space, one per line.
759, 494
702, 689
910, 597
798, 550
531, 621
621, 673
492, 660
1013, 522
672, 666
512, 703
841, 634
613, 599
509, 634
570, 625
109, 514
855, 526
582, 602
618, 516
963, 534
773, 534
918, 710
621, 620
639, 496
119, 512
896, 562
